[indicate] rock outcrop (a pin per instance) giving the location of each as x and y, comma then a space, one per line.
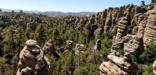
79, 49
94, 56
122, 29
142, 26
48, 47
32, 60
150, 30
97, 33
120, 60
129, 40
108, 23
69, 45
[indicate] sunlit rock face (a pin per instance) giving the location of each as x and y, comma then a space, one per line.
48, 47
141, 26
79, 49
120, 60
108, 23
32, 60
154, 67
98, 33
130, 42
150, 30
69, 45
121, 31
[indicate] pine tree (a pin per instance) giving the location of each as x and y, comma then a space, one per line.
40, 34
8, 40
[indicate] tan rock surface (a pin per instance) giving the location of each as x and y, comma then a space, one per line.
32, 60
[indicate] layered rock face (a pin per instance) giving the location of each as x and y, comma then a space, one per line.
119, 61
129, 42
108, 23
150, 30
141, 26
32, 60
122, 29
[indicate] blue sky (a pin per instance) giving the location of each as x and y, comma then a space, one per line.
65, 5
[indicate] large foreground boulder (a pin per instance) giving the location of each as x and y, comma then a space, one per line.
32, 60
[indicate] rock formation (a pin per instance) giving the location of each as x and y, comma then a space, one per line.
154, 67
79, 49
49, 48
108, 23
129, 41
97, 33
97, 46
122, 29
69, 45
32, 60
79, 52
150, 30
120, 60
94, 55
141, 26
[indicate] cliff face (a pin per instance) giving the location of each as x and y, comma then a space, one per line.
150, 30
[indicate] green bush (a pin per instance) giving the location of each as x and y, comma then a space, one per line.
148, 70
149, 54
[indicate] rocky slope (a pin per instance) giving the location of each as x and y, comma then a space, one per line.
131, 44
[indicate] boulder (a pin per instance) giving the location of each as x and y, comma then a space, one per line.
32, 60
109, 68
48, 47
154, 67
69, 45
79, 49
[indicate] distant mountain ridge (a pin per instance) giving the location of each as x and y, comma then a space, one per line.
53, 13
